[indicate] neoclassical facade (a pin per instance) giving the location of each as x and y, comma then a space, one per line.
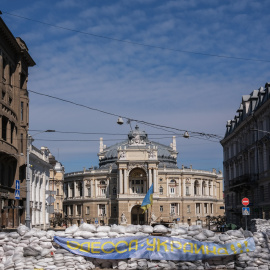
113, 192
246, 149
56, 187
39, 183
14, 121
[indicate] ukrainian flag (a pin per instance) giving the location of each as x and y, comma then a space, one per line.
148, 199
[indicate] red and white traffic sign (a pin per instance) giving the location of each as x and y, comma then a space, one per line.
245, 201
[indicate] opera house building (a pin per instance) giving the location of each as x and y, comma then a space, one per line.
113, 192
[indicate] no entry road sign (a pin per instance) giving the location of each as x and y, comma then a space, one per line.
245, 201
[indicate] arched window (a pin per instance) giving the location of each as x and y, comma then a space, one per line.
114, 190
196, 187
203, 188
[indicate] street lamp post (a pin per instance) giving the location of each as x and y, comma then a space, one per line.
28, 218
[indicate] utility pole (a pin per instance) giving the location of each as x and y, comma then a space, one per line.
28, 218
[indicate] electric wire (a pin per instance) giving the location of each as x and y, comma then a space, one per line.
157, 126
137, 43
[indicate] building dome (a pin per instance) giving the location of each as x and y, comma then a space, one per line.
138, 139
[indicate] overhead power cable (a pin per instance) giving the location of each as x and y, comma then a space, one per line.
202, 134
172, 129
136, 43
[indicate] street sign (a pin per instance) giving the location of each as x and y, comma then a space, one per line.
96, 220
245, 211
17, 189
17, 194
50, 199
178, 219
245, 201
50, 209
50, 192
17, 184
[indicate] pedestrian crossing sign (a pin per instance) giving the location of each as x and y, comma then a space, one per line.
17, 194
245, 211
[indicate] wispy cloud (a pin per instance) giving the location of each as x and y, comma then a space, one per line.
187, 91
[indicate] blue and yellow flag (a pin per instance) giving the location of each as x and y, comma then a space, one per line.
148, 199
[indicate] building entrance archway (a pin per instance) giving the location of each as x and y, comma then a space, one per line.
137, 216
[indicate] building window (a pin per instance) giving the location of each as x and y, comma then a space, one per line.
205, 208
161, 208
188, 209
89, 192
137, 186
21, 143
161, 190
22, 114
79, 210
71, 210
101, 210
173, 208
72, 190
160, 179
114, 209
4, 127
114, 191
187, 191
211, 208
87, 210
198, 208
196, 188
57, 207
103, 191
57, 192
172, 190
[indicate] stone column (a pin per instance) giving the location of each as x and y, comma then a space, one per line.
120, 182
179, 187
125, 182
96, 189
192, 187
155, 180
149, 178
184, 187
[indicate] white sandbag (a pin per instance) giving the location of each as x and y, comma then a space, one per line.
88, 227
147, 229
224, 237
22, 229
72, 229
50, 234
44, 252
118, 229
122, 265
86, 235
193, 233
46, 245
77, 234
14, 235
132, 229
195, 228
208, 233
101, 235
160, 228
104, 229
3, 235
113, 234
39, 234
200, 237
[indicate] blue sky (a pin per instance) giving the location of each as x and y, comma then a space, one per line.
168, 87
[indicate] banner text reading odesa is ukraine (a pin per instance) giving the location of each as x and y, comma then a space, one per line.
153, 248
